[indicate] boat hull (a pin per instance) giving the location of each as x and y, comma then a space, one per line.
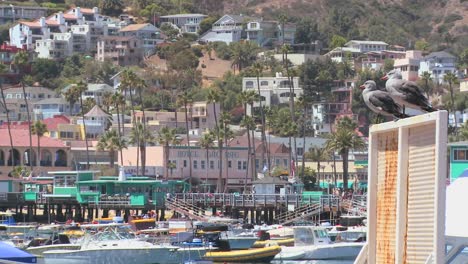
38, 251
123, 256
258, 255
241, 242
340, 251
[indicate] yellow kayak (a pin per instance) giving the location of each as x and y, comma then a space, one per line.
280, 242
265, 254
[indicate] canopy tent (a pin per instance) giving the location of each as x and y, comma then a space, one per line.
10, 253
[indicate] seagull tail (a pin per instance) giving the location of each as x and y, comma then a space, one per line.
429, 108
401, 115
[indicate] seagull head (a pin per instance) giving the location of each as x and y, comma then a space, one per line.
393, 74
369, 86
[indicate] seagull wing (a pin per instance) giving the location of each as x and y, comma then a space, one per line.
384, 102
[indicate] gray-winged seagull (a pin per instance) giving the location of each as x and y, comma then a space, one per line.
406, 93
380, 102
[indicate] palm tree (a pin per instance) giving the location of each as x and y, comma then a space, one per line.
39, 129
282, 18
302, 101
285, 50
426, 78
185, 99
140, 85
7, 112
249, 124
78, 91
227, 134
317, 155
107, 101
20, 60
111, 141
207, 142
139, 136
258, 69
117, 100
213, 98
342, 141
166, 137
452, 79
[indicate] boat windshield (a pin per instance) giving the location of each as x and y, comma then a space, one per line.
117, 233
321, 233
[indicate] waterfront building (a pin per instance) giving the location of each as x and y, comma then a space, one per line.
185, 23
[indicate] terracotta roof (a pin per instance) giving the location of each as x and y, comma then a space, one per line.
53, 122
69, 16
86, 11
96, 111
51, 22
134, 27
21, 139
15, 125
31, 24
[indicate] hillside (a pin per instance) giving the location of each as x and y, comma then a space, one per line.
442, 23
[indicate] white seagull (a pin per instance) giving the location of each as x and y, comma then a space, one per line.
406, 93
380, 102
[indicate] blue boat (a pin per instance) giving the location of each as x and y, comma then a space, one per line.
15, 255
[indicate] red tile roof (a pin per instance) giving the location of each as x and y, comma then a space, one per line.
69, 16
31, 24
51, 22
86, 11
53, 122
21, 139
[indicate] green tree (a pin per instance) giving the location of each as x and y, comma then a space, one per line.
213, 98
78, 91
258, 69
39, 129
3, 70
337, 41
167, 136
139, 136
111, 141
388, 65
20, 61
111, 7
318, 155
421, 45
117, 101
342, 141
206, 24
207, 142
452, 79
427, 79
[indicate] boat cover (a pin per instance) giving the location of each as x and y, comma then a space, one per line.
456, 215
11, 253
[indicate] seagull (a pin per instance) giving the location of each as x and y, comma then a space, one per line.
379, 101
406, 93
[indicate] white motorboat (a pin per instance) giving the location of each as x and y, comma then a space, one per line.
313, 243
115, 246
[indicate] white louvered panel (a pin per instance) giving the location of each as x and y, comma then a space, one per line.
421, 193
386, 197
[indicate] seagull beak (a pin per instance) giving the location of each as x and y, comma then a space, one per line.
362, 87
384, 78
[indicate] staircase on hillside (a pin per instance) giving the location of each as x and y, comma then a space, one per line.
301, 212
190, 210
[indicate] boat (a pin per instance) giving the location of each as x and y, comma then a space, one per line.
10, 254
280, 242
313, 243
264, 255
235, 238
348, 234
118, 245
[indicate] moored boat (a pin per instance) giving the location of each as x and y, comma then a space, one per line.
262, 255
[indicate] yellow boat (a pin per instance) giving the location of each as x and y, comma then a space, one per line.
280, 242
263, 255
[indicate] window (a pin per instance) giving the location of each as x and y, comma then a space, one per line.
249, 84
229, 163
202, 164
285, 163
212, 164
185, 163
264, 83
244, 165
195, 164
460, 154
239, 165
257, 163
